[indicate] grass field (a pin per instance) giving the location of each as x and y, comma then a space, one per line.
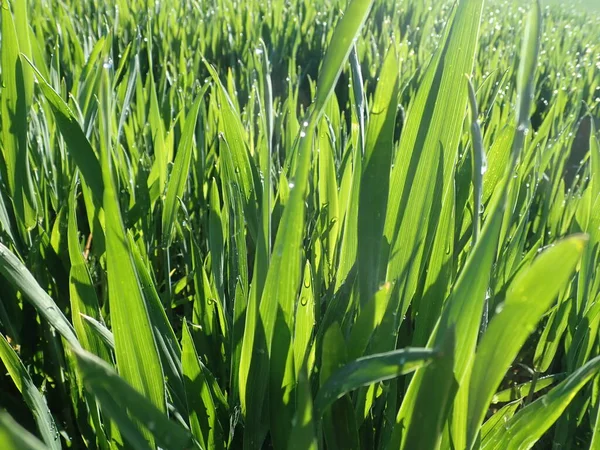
299, 224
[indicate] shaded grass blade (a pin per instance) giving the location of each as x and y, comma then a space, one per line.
31, 395
128, 408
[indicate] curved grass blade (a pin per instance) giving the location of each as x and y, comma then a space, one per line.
529, 424
529, 296
17, 274
104, 333
14, 437
31, 395
79, 147
494, 425
368, 370
130, 410
522, 390
15, 102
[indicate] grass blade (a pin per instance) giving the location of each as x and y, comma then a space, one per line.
529, 296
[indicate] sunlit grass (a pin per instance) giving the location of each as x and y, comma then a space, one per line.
306, 225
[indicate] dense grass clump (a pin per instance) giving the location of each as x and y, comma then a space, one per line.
331, 224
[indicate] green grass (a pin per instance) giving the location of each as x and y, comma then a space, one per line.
305, 224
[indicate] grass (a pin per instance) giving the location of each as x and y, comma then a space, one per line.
304, 225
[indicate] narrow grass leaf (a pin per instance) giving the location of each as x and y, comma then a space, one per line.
31, 395
204, 422
528, 425
529, 296
17, 274
180, 172
368, 370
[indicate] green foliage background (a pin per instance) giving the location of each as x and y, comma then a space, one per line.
299, 224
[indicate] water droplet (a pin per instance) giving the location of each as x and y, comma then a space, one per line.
303, 301
108, 63
291, 184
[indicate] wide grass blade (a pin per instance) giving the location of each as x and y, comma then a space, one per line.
427, 151
374, 186
128, 408
136, 351
529, 296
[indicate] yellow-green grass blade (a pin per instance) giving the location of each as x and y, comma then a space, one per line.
526, 427
164, 336
233, 131
15, 102
180, 172
15, 272
529, 296
434, 125
31, 395
135, 415
204, 422
304, 319
14, 437
100, 329
367, 321
136, 351
551, 337
495, 424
